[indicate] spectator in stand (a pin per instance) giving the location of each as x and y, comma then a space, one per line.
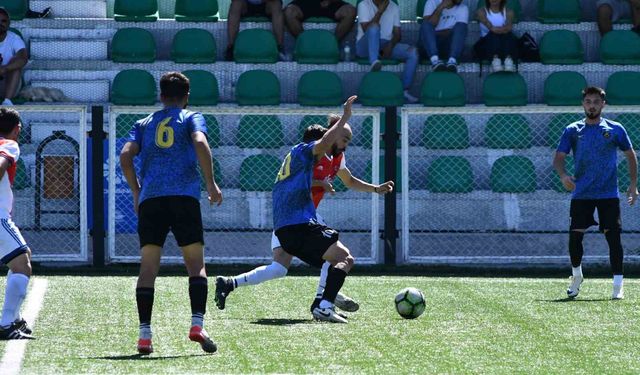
340, 11
443, 31
497, 42
379, 37
610, 11
252, 8
13, 57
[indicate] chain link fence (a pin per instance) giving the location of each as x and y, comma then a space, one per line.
248, 146
481, 186
49, 189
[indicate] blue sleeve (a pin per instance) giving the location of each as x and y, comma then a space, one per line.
135, 135
565, 141
624, 143
197, 123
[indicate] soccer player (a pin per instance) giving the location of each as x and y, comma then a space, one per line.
594, 142
170, 143
14, 251
326, 169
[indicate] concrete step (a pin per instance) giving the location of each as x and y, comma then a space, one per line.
72, 8
69, 49
79, 90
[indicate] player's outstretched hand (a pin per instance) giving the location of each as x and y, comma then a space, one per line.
568, 182
346, 114
632, 195
215, 195
385, 188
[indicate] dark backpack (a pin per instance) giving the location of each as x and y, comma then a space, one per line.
528, 49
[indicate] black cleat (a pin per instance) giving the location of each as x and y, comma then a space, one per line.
199, 335
22, 325
14, 333
224, 286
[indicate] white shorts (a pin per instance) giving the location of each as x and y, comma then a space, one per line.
275, 242
11, 242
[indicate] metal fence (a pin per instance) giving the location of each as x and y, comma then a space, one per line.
248, 145
481, 187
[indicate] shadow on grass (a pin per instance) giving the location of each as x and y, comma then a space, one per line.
282, 322
567, 299
144, 357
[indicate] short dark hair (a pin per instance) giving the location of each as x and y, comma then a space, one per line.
594, 90
9, 119
5, 12
487, 4
313, 133
174, 85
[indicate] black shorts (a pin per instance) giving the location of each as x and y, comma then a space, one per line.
178, 213
608, 213
308, 242
312, 8
256, 10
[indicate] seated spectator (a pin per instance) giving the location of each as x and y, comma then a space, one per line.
13, 57
253, 8
497, 42
340, 11
379, 37
610, 11
443, 32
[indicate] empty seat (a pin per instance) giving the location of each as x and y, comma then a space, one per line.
316, 47
260, 131
559, 11
217, 175
193, 46
22, 180
213, 130
196, 10
513, 174
450, 174
320, 88
620, 47
258, 87
556, 183
17, 8
445, 132
564, 88
382, 89
366, 131
507, 131
309, 120
561, 47
504, 88
631, 123
133, 45
203, 88
255, 46
133, 87
258, 172
556, 126
135, 11
624, 179
622, 88
442, 89
511, 4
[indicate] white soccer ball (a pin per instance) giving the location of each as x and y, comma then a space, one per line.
410, 303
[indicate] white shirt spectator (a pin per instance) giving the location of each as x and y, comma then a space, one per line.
495, 19
10, 46
389, 19
449, 16
9, 150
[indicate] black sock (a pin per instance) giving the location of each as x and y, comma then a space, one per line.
616, 254
198, 290
335, 279
144, 300
575, 247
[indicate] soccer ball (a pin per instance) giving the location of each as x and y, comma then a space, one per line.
410, 303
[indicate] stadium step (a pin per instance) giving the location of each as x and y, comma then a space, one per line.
79, 90
69, 49
72, 8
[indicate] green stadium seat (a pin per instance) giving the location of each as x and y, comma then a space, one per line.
556, 184
135, 11
620, 47
133, 87
196, 10
316, 47
258, 87
22, 180
442, 89
320, 88
260, 131
561, 47
564, 88
193, 46
631, 123
203, 87
450, 174
624, 179
255, 46
559, 11
17, 8
309, 120
366, 131
381, 89
622, 88
217, 175
507, 131
382, 173
445, 132
511, 4
513, 174
133, 45
556, 127
259, 172
213, 130
504, 89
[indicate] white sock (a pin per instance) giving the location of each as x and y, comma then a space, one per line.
145, 331
322, 283
434, 59
15, 292
577, 271
452, 60
325, 304
261, 274
617, 280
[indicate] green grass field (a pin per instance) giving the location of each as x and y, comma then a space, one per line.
471, 325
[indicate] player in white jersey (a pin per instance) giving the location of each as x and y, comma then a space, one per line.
13, 249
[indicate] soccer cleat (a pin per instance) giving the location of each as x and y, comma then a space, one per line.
14, 333
199, 335
574, 288
618, 292
346, 303
224, 286
328, 314
145, 346
22, 325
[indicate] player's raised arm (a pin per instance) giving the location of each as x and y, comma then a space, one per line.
331, 136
